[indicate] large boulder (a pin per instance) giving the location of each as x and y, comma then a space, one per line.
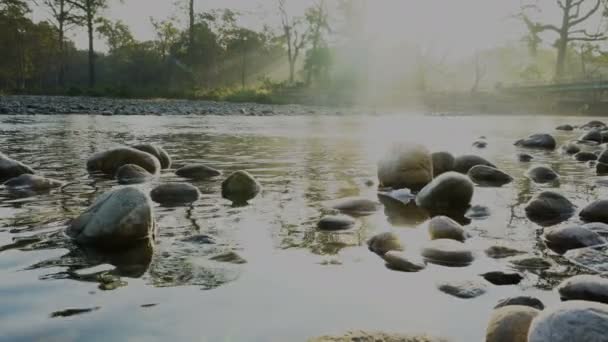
406, 166
447, 253
384, 242
443, 227
595, 212
464, 163
489, 176
451, 190
197, 172
240, 187
594, 135
510, 324
158, 152
563, 239
584, 287
117, 218
542, 174
132, 174
442, 163
540, 141
571, 321
175, 193
10, 168
549, 208
109, 162
32, 182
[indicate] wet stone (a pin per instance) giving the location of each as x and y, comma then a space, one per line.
549, 208
521, 300
197, 172
384, 242
447, 253
591, 258
502, 278
510, 323
500, 252
399, 261
524, 157
531, 263
584, 287
175, 193
229, 257
542, 174
335, 223
355, 206
463, 289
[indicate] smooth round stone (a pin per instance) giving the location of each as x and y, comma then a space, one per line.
585, 156
595, 212
463, 289
447, 253
594, 135
384, 242
562, 239
540, 141
132, 174
521, 300
510, 324
542, 174
570, 148
549, 208
464, 163
32, 182
198, 172
109, 162
355, 206
531, 263
500, 252
571, 321
10, 168
443, 227
442, 162
502, 278
399, 261
158, 152
601, 169
584, 287
335, 223
450, 190
240, 187
175, 193
406, 166
565, 128
489, 176
524, 157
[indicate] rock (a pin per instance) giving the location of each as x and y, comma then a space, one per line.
598, 227
117, 218
463, 289
542, 174
158, 152
595, 212
478, 212
594, 135
531, 263
562, 239
450, 190
132, 174
594, 124
240, 187
10, 168
585, 156
197, 172
565, 128
364, 336
443, 227
584, 287
442, 162
356, 206
32, 182
502, 278
335, 223
480, 144
175, 193
541, 141
524, 157
510, 324
549, 208
399, 261
486, 175
229, 257
521, 300
447, 253
571, 321
463, 164
601, 169
603, 157
570, 149
591, 258
384, 242
109, 162
500, 252
406, 166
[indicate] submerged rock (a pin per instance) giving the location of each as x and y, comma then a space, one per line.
197, 172
463, 289
10, 168
158, 152
510, 324
565, 128
585, 156
355, 206
486, 175
542, 174
521, 300
549, 208
524, 157
584, 287
384, 242
443, 227
451, 190
132, 174
32, 182
399, 261
541, 141
500, 252
531, 263
109, 162
570, 148
594, 135
406, 166
335, 223
442, 162
502, 278
562, 239
463, 164
591, 258
571, 321
447, 253
480, 144
595, 212
117, 218
240, 187
229, 257
175, 193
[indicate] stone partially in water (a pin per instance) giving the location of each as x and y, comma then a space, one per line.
524, 157
32, 182
598, 227
109, 162
10, 168
540, 141
502, 278
549, 208
500, 252
447, 253
478, 212
603, 157
480, 144
571, 321
157, 151
132, 174
240, 187
562, 239
384, 242
175, 193
229, 257
335, 223
584, 287
595, 212
594, 124
591, 258
521, 300
601, 169
489, 176
406, 166
463, 289
542, 174
399, 261
510, 324
451, 190
442, 162
585, 156
464, 163
443, 227
565, 128
531, 263
594, 135
197, 172
357, 206
117, 218
570, 148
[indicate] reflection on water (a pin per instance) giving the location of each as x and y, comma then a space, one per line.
303, 281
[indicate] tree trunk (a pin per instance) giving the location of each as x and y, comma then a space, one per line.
562, 43
91, 51
292, 71
61, 76
191, 26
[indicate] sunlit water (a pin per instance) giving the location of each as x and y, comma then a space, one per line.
297, 283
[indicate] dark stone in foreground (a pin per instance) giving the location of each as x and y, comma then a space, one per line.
442, 162
585, 156
542, 174
451, 190
562, 239
502, 278
524, 157
595, 212
240, 187
549, 208
565, 128
175, 193
489, 176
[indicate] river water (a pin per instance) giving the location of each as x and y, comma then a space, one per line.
297, 283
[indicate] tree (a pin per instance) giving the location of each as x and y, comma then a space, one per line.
117, 34
480, 73
317, 58
62, 18
167, 35
574, 14
89, 12
295, 40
